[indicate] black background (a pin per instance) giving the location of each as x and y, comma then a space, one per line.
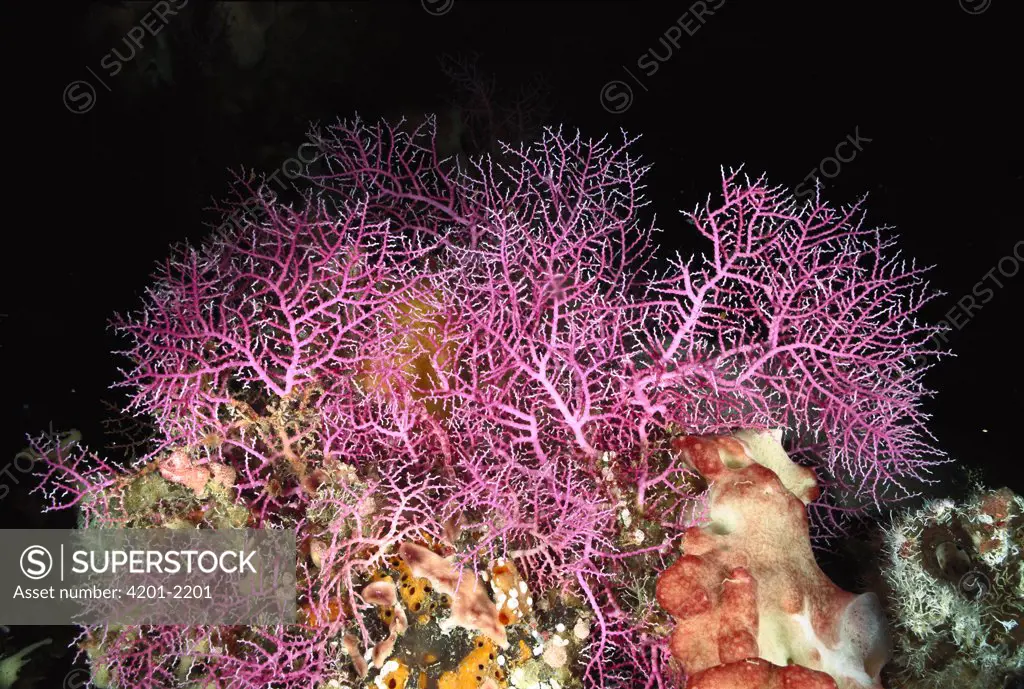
773, 86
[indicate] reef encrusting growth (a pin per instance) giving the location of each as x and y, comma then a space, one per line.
752, 607
955, 592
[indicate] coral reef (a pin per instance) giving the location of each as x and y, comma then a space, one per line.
748, 586
954, 576
459, 385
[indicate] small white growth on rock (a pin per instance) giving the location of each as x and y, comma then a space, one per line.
555, 656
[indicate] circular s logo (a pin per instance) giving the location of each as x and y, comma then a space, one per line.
438, 8
36, 562
975, 6
616, 97
76, 679
79, 97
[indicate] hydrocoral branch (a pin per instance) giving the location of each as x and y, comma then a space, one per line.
544, 518
273, 656
282, 304
396, 173
156, 657
71, 477
541, 298
800, 318
353, 525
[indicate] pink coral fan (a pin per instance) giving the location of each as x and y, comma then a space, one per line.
748, 585
475, 360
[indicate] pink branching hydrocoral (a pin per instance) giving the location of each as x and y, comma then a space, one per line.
800, 318
477, 361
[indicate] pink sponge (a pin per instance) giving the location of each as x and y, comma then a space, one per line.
756, 673
748, 586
